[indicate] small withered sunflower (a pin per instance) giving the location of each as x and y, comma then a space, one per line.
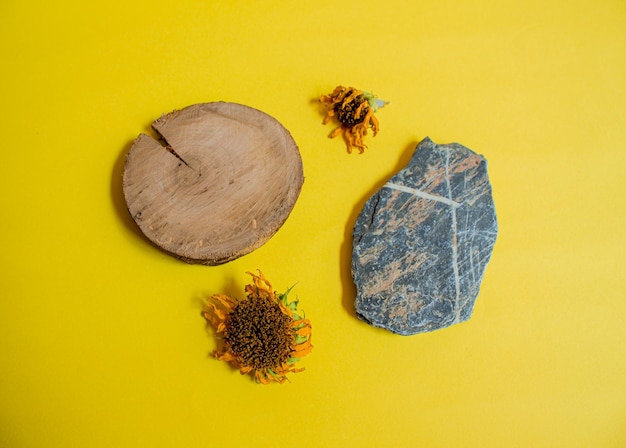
264, 334
354, 109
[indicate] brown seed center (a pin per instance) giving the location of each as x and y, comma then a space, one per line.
345, 112
259, 333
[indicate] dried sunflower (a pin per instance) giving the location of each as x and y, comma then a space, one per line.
264, 334
354, 109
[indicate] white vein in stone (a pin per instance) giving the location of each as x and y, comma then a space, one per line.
423, 194
455, 262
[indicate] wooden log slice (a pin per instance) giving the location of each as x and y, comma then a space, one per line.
220, 182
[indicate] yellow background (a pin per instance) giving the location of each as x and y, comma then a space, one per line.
101, 339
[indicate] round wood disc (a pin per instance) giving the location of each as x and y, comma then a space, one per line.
219, 183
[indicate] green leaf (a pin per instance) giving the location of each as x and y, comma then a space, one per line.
300, 339
286, 293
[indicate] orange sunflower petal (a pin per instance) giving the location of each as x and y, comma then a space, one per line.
302, 350
336, 132
219, 314
262, 377
304, 331
226, 301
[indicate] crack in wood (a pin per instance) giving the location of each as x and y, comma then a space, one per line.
175, 154
160, 138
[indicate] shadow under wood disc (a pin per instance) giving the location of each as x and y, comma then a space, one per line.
220, 182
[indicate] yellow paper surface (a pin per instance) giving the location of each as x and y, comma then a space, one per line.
101, 339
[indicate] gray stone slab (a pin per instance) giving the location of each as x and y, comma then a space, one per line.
422, 242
